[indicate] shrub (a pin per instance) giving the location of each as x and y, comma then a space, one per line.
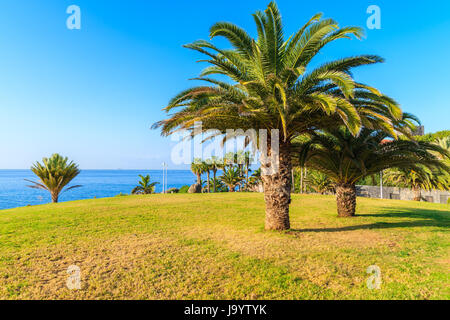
183, 189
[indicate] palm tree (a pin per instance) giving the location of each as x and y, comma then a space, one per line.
418, 179
144, 187
244, 158
346, 159
54, 174
198, 168
444, 143
271, 85
215, 164
231, 177
255, 178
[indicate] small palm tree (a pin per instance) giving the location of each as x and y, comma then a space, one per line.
444, 143
231, 177
255, 178
144, 187
319, 182
346, 159
55, 173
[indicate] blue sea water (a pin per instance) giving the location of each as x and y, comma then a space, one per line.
95, 183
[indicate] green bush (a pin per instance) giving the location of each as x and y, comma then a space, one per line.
183, 189
172, 190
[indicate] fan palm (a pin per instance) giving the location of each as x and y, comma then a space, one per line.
215, 164
145, 186
231, 177
346, 159
271, 85
55, 173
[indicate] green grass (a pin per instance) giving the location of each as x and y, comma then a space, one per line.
182, 246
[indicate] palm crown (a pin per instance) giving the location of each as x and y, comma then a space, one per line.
271, 85
345, 159
55, 173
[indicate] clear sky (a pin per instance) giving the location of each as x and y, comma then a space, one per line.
92, 94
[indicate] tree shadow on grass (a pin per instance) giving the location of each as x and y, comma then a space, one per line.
418, 213
379, 225
425, 218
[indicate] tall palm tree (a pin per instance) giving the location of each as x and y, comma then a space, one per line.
273, 86
346, 159
418, 179
145, 186
55, 173
231, 177
215, 164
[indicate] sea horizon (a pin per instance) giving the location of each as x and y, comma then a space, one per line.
96, 183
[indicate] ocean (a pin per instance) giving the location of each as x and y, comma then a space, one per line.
95, 183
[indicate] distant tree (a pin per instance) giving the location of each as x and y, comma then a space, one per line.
231, 177
144, 187
55, 173
418, 179
346, 159
255, 178
198, 168
274, 82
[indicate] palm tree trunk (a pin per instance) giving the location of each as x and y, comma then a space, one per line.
417, 194
346, 199
207, 177
199, 179
55, 197
214, 182
277, 192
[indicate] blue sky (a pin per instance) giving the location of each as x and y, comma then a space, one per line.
92, 94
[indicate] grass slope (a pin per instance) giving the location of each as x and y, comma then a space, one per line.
214, 247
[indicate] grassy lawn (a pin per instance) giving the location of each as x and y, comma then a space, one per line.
214, 247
